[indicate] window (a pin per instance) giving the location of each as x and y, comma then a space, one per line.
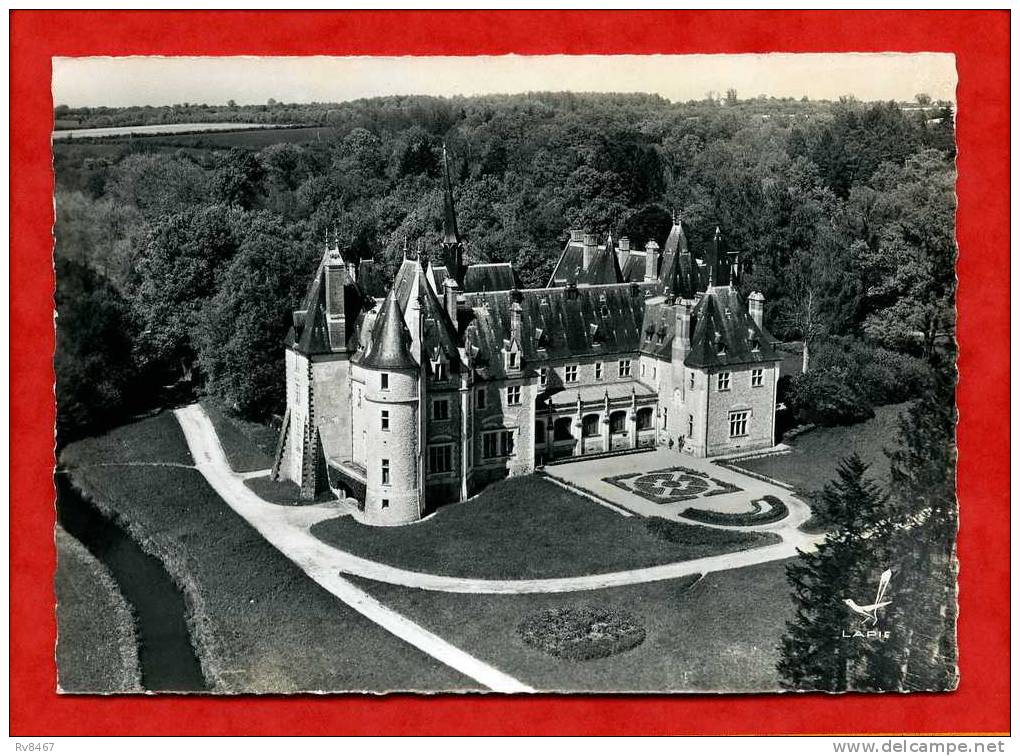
384, 420
690, 380
543, 376
624, 368
690, 425
384, 466
498, 444
439, 370
643, 369
618, 422
513, 395
480, 398
757, 377
738, 424
562, 430
440, 459
512, 360
590, 426
385, 503
665, 418
384, 381
723, 383
539, 432
570, 373
655, 370
440, 409
644, 419
598, 371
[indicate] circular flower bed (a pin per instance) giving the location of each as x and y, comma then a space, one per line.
581, 633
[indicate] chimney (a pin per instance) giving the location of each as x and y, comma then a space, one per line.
590, 246
651, 260
450, 292
682, 332
756, 307
623, 250
336, 316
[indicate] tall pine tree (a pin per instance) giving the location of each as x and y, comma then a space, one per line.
815, 655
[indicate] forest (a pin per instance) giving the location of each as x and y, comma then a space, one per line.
180, 257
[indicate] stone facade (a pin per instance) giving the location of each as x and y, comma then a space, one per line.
438, 390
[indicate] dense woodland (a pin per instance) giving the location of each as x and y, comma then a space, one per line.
180, 257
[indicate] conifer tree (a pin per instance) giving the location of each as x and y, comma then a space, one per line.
815, 655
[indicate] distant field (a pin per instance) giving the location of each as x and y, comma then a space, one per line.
159, 128
255, 138
817, 454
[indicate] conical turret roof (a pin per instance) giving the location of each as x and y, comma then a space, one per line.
389, 347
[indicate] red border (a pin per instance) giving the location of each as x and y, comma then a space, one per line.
980, 40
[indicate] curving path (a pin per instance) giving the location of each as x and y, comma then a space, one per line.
288, 529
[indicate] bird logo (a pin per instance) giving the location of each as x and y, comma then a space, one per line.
870, 611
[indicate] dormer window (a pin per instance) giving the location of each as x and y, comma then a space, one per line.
512, 360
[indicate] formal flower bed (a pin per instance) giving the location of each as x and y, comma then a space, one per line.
671, 484
766, 510
581, 633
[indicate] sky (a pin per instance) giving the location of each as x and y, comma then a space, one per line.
253, 80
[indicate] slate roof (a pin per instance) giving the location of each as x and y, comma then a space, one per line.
557, 323
725, 334
603, 269
389, 345
439, 333
309, 332
491, 277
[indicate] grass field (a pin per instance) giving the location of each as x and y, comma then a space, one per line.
155, 439
816, 454
96, 647
262, 625
528, 527
719, 633
248, 446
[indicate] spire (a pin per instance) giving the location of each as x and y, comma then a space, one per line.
389, 347
718, 266
450, 234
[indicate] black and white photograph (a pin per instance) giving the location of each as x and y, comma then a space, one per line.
513, 374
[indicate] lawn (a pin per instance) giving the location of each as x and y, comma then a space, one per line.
248, 446
719, 633
528, 527
96, 647
261, 624
154, 439
816, 454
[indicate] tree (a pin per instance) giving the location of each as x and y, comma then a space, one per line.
814, 655
178, 269
240, 332
95, 373
237, 179
921, 654
910, 274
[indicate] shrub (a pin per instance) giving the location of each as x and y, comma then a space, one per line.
823, 397
582, 633
881, 375
686, 534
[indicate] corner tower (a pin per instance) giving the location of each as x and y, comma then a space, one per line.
391, 412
